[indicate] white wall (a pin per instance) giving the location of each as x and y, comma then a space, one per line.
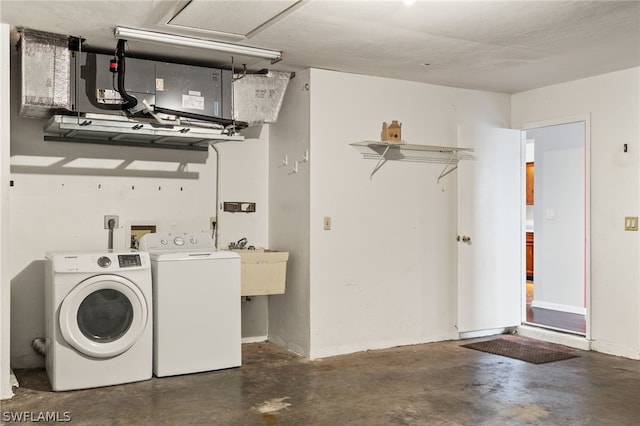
613, 101
244, 176
5, 286
385, 274
559, 216
62, 191
289, 321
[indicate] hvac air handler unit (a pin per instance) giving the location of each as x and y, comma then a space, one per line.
174, 89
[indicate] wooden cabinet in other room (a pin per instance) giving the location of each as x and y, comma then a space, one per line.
529, 186
529, 256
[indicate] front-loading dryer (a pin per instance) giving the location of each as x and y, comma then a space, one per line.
98, 313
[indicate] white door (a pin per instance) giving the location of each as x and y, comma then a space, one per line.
490, 254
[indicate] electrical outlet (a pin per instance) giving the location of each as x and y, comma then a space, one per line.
213, 220
327, 223
107, 218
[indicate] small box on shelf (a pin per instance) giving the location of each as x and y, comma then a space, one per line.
392, 133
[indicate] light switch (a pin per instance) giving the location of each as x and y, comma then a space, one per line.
327, 223
550, 214
631, 223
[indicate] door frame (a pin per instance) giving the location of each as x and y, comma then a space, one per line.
586, 118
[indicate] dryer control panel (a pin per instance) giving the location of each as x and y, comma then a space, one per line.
129, 260
97, 261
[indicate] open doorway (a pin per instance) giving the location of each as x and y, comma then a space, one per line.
556, 222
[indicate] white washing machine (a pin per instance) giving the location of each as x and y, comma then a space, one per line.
98, 313
196, 302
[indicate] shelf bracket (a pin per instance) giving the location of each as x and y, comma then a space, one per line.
447, 167
381, 161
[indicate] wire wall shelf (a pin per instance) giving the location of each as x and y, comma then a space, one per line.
392, 151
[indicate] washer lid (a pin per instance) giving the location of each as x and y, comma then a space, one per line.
103, 316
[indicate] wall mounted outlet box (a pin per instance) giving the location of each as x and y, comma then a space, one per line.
239, 207
107, 218
248, 207
137, 232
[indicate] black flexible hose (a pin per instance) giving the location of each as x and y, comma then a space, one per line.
112, 224
130, 101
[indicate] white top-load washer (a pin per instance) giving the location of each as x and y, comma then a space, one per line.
98, 315
196, 304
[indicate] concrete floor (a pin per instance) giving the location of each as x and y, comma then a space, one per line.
435, 384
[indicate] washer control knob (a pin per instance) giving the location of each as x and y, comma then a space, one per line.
163, 242
104, 262
193, 240
179, 241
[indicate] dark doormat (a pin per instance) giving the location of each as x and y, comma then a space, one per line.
533, 352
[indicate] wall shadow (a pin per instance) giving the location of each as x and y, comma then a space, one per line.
27, 314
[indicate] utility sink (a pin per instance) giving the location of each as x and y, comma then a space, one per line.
263, 271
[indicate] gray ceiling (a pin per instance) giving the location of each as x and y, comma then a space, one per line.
504, 46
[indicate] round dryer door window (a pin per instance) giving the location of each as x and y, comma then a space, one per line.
103, 316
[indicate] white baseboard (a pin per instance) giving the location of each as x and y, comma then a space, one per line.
483, 333
559, 307
254, 339
616, 349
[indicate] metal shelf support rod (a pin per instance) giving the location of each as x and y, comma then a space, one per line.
444, 171
381, 161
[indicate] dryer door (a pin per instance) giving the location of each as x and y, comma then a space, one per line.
103, 316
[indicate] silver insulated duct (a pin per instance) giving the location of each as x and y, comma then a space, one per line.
44, 68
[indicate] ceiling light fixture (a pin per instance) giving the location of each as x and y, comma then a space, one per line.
155, 37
